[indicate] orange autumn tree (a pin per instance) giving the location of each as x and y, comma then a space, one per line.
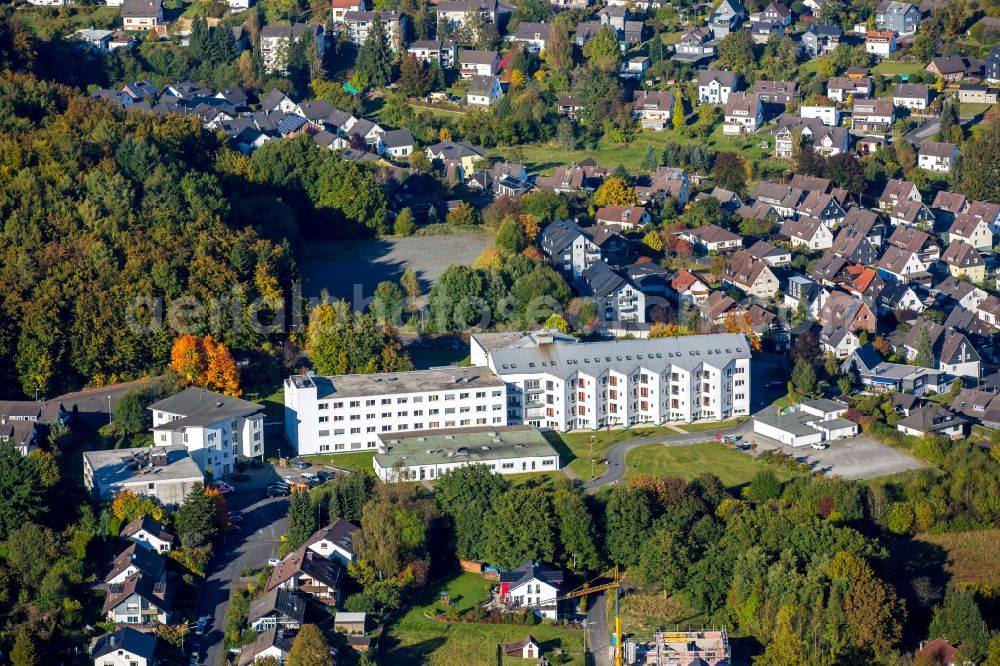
661, 330
221, 509
739, 322
187, 358
207, 363
222, 374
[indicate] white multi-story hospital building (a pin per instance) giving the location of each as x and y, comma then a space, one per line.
348, 412
558, 383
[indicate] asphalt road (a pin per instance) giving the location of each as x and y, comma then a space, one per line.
265, 520
93, 404
598, 631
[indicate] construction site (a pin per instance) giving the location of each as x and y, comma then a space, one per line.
680, 648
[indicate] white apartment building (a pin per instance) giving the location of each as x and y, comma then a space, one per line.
351, 412
276, 39
563, 385
359, 24
829, 115
216, 429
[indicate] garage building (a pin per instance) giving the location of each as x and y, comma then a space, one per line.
806, 424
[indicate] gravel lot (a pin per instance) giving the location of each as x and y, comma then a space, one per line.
857, 458
352, 269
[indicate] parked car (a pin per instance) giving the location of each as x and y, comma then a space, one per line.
223, 487
743, 447
278, 491
819, 446
300, 464
309, 478
324, 475
273, 562
235, 517
731, 438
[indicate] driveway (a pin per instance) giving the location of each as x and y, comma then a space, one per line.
95, 405
598, 631
857, 458
265, 520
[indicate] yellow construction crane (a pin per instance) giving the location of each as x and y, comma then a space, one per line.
585, 589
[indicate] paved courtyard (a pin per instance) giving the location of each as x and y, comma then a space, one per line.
858, 458
352, 269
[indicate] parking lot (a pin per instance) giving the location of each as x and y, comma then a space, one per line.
857, 458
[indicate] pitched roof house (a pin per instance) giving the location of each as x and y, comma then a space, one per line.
963, 260
972, 230
149, 533
846, 310
897, 190
532, 585
623, 217
899, 265
710, 238
751, 275
124, 647
307, 571
808, 232
277, 608
335, 541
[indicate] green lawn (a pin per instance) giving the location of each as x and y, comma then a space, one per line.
454, 114
351, 461
710, 426
732, 467
545, 157
534, 479
895, 68
418, 638
575, 447
970, 110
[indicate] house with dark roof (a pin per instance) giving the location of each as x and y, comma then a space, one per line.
953, 353
972, 230
769, 254
144, 15
718, 306
820, 39
653, 108
962, 292
964, 261
900, 265
954, 68
534, 35
750, 275
273, 642
149, 533
937, 157
979, 406
124, 647
306, 571
912, 96
846, 310
133, 559
616, 296
215, 428
776, 92
899, 297
830, 270
528, 648
809, 232
912, 214
710, 238
335, 541
714, 87
863, 282
932, 419
532, 586
880, 376
573, 249
915, 240
744, 113
277, 608
854, 246
484, 90
139, 600
622, 217
872, 116
396, 143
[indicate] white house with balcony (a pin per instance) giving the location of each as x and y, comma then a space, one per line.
216, 429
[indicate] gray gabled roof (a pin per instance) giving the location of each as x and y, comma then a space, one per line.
602, 280
200, 406
398, 138
624, 356
281, 601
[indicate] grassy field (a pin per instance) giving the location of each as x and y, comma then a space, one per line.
894, 68
545, 157
971, 556
732, 467
644, 613
534, 479
971, 110
712, 426
575, 448
418, 638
